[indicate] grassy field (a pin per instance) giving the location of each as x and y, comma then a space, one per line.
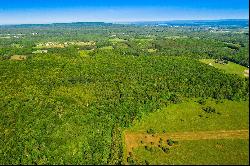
230, 151
231, 67
190, 116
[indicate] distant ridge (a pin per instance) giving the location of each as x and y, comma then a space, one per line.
219, 22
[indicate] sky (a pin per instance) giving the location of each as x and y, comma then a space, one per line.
51, 11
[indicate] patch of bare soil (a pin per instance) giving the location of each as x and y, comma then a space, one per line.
133, 140
246, 72
18, 57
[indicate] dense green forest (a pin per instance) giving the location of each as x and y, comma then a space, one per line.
69, 105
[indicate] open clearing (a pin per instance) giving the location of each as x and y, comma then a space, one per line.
220, 137
18, 57
231, 68
189, 116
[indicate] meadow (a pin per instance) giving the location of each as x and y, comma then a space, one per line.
230, 67
201, 152
216, 137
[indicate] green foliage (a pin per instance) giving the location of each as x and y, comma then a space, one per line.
161, 140
85, 97
151, 131
170, 142
149, 148
130, 160
202, 101
165, 149
68, 106
146, 162
209, 109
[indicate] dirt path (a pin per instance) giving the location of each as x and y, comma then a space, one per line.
133, 140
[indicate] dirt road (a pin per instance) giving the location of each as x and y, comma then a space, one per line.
133, 140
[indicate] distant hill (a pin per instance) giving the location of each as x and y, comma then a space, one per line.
212, 23
73, 24
208, 23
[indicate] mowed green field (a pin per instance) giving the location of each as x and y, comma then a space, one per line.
189, 116
231, 67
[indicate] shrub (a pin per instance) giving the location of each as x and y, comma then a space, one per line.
151, 131
146, 162
170, 142
160, 140
202, 101
165, 149
149, 149
209, 109
130, 160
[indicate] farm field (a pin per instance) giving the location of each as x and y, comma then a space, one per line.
203, 137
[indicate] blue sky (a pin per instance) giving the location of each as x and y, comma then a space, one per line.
48, 11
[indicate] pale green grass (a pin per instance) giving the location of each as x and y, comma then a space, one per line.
90, 43
231, 68
189, 116
107, 48
233, 151
152, 50
85, 53
116, 40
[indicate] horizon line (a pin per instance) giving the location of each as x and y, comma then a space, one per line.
123, 22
